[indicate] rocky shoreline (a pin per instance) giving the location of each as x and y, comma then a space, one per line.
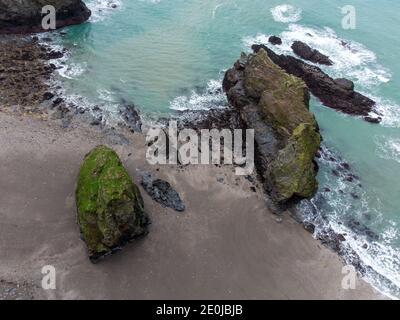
25, 59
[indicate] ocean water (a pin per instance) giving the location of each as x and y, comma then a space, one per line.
168, 55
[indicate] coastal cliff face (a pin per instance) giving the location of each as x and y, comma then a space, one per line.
25, 16
275, 104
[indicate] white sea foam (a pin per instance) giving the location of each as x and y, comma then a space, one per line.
333, 209
388, 110
106, 95
212, 97
102, 8
286, 13
73, 70
388, 148
351, 59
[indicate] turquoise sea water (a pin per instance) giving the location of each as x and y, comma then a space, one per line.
167, 55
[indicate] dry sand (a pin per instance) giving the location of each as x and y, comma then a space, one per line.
226, 245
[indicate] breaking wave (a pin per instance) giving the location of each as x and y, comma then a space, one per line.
286, 13
212, 97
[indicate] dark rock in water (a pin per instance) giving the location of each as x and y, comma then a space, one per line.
131, 117
361, 229
48, 96
331, 94
275, 104
57, 101
345, 165
110, 206
373, 120
345, 84
307, 53
54, 55
26, 16
335, 173
309, 227
355, 196
275, 40
162, 192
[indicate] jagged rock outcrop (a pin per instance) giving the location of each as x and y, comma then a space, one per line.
275, 104
110, 206
336, 94
304, 51
25, 16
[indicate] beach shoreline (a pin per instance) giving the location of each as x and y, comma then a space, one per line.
227, 245
52, 117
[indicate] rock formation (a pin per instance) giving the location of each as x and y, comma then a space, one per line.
307, 53
162, 192
276, 41
110, 206
275, 104
25, 16
337, 94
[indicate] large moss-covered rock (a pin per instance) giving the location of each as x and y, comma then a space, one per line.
25, 16
110, 206
276, 105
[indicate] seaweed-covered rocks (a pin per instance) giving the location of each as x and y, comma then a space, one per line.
110, 206
275, 104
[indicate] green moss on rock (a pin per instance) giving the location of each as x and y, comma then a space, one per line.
110, 206
293, 170
282, 102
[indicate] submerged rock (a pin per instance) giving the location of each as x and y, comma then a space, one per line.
373, 120
307, 53
162, 192
275, 104
110, 206
26, 16
335, 94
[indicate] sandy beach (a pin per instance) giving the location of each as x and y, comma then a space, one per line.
226, 245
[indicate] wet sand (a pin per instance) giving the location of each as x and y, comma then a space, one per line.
226, 245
